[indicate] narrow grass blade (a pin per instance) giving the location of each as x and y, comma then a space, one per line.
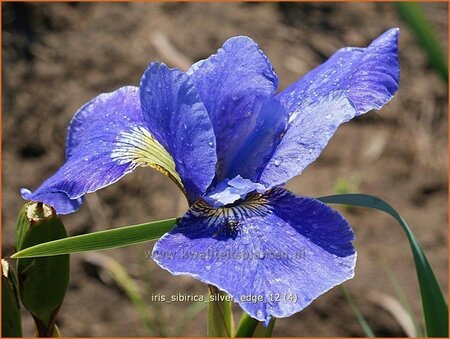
220, 317
401, 297
359, 316
194, 309
101, 240
412, 13
126, 283
435, 308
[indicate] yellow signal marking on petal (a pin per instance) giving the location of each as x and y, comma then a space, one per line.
142, 149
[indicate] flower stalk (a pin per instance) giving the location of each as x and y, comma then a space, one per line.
220, 316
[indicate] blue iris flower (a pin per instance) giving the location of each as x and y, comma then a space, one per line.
229, 140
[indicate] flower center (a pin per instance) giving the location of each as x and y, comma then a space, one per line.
229, 216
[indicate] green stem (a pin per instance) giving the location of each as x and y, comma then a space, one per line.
220, 317
250, 327
247, 326
262, 331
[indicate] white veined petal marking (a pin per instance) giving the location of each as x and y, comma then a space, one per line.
140, 148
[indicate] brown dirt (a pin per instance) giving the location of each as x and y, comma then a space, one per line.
58, 56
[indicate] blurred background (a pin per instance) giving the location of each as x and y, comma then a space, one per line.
57, 56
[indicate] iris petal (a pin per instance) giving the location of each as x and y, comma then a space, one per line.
352, 82
177, 118
229, 191
107, 139
273, 253
59, 200
369, 77
270, 121
229, 83
306, 137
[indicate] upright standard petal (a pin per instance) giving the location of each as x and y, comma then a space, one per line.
306, 137
176, 116
352, 82
107, 139
267, 130
274, 253
229, 83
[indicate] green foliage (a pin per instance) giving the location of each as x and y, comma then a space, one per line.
402, 298
435, 308
262, 331
247, 326
153, 320
413, 15
250, 327
220, 317
42, 281
11, 320
101, 240
219, 313
358, 314
126, 283
194, 309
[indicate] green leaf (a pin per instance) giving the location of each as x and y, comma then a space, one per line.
401, 297
220, 317
412, 13
101, 240
124, 281
11, 320
362, 321
435, 308
262, 331
250, 327
247, 326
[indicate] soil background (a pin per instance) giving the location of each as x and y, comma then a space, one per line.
57, 56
